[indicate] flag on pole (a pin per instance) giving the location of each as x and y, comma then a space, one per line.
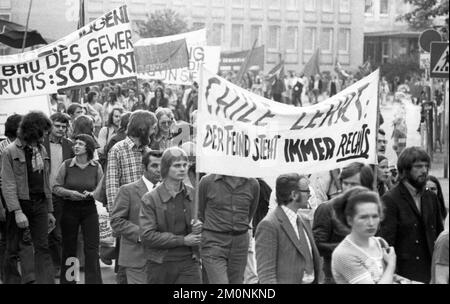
312, 68
160, 57
81, 16
277, 71
13, 34
246, 64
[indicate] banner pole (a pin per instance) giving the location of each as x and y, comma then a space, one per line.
375, 168
197, 158
24, 42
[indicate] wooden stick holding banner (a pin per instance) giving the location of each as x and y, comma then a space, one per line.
375, 168
24, 43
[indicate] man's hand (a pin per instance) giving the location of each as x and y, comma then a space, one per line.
192, 240
21, 219
197, 227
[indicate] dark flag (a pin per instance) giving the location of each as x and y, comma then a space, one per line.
246, 64
12, 35
312, 68
161, 57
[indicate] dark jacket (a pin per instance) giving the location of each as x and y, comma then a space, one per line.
410, 232
328, 233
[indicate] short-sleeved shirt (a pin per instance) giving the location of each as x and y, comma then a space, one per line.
351, 264
440, 255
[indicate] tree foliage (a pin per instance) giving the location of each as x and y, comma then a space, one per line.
425, 11
162, 23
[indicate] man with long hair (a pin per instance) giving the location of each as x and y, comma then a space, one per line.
125, 160
26, 188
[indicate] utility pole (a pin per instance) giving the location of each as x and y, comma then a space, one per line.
446, 131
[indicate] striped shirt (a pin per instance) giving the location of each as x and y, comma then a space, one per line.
124, 167
351, 264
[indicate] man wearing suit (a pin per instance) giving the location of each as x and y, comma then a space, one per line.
285, 248
412, 217
125, 218
59, 149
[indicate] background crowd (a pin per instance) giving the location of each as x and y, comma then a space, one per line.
129, 147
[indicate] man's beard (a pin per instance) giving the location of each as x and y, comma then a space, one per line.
144, 139
415, 182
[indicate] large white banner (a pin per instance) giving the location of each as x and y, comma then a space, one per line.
243, 134
199, 53
100, 51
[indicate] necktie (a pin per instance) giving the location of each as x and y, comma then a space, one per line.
309, 265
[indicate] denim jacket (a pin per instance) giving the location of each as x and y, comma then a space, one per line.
15, 176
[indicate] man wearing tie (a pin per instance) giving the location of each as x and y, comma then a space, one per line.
285, 248
125, 218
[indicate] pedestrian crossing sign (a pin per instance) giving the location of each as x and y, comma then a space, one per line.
439, 60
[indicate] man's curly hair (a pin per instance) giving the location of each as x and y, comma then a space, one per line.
34, 126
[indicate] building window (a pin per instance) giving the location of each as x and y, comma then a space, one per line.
368, 7
217, 34
236, 36
292, 5
238, 3
274, 38
256, 3
196, 2
384, 7
309, 39
5, 3
217, 3
344, 6
326, 40
327, 5
256, 33
292, 39
344, 41
275, 4
310, 5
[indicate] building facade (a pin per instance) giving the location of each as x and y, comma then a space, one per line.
385, 37
293, 29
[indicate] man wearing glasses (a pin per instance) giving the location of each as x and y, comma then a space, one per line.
285, 248
59, 149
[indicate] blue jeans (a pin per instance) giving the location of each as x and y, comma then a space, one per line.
224, 257
74, 215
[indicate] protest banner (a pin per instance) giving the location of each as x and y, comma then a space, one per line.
233, 61
243, 134
101, 51
160, 57
23, 106
199, 53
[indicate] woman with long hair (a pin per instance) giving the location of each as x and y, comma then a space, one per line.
76, 181
383, 175
362, 258
163, 136
111, 103
140, 103
159, 101
107, 132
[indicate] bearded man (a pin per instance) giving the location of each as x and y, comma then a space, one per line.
412, 217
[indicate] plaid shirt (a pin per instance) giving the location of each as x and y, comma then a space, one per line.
124, 167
